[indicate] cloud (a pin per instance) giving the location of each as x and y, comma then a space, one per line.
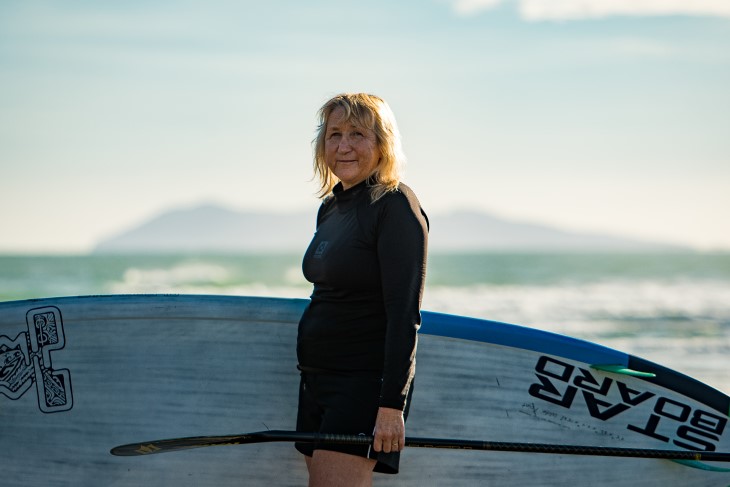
541, 10
590, 9
471, 7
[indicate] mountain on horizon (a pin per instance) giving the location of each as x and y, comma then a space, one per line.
464, 230
212, 228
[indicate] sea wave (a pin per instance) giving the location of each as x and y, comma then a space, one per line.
672, 310
191, 277
647, 304
672, 323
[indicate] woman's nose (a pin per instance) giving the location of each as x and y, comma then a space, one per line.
344, 145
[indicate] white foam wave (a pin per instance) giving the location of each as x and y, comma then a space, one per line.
568, 305
684, 325
177, 279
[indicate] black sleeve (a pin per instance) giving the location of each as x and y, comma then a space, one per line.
402, 245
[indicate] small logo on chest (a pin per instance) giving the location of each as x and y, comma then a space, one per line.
319, 253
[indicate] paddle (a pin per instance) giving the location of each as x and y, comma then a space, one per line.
174, 444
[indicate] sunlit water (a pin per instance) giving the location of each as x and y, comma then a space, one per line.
673, 309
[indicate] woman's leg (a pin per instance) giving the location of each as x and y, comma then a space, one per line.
335, 469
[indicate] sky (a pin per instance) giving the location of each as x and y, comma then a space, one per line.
603, 116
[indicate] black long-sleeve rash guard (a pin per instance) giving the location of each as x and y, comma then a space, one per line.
367, 262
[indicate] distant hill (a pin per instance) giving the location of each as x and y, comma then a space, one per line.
216, 229
213, 228
464, 230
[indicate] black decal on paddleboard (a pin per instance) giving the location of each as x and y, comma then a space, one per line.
631, 396
547, 391
698, 429
26, 361
666, 420
548, 370
698, 438
709, 422
603, 410
650, 429
586, 381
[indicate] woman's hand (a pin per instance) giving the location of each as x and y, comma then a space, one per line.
390, 430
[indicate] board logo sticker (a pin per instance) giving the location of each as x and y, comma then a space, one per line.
26, 360
605, 399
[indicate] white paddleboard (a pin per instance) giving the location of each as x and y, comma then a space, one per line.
81, 375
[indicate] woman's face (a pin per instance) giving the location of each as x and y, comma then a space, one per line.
351, 152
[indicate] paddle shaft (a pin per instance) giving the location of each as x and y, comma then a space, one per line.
175, 444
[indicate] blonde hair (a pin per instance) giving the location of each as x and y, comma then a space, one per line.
371, 112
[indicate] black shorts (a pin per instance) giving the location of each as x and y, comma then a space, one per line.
345, 404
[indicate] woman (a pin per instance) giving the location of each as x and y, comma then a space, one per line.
357, 338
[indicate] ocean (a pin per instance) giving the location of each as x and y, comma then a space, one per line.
673, 309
